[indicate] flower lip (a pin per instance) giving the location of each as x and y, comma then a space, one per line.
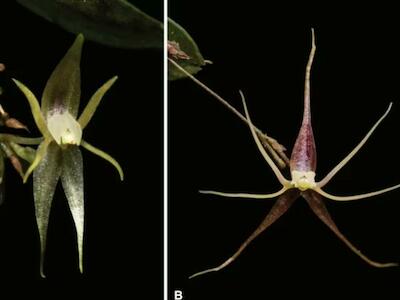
303, 180
63, 127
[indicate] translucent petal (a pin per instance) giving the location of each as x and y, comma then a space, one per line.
63, 89
72, 181
35, 107
40, 153
91, 107
20, 139
45, 178
103, 155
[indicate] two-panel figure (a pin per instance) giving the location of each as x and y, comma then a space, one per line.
199, 150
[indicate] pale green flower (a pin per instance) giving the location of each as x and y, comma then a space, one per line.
58, 156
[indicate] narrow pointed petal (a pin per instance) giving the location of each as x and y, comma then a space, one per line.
260, 147
318, 207
20, 139
355, 197
91, 107
103, 155
283, 203
349, 156
63, 89
35, 108
40, 153
246, 195
45, 178
72, 182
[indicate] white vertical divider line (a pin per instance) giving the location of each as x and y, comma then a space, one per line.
165, 146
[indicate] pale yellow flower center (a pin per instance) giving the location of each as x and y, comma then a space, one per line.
64, 128
303, 180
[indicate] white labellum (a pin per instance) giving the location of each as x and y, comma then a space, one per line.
64, 128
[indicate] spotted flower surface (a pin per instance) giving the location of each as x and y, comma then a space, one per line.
58, 155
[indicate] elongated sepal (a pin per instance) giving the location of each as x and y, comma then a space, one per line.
103, 155
63, 90
35, 107
40, 153
45, 178
283, 203
72, 182
94, 101
318, 207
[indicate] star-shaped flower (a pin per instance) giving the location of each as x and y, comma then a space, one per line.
58, 156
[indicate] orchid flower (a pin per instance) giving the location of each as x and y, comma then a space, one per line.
58, 155
303, 164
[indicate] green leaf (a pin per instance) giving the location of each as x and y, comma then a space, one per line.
72, 182
103, 155
115, 23
45, 178
63, 89
94, 101
35, 108
195, 62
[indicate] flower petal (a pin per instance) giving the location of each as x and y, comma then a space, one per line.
72, 181
35, 108
63, 89
91, 107
40, 154
45, 178
103, 155
20, 139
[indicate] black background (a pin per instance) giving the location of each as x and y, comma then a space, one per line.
123, 238
262, 48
